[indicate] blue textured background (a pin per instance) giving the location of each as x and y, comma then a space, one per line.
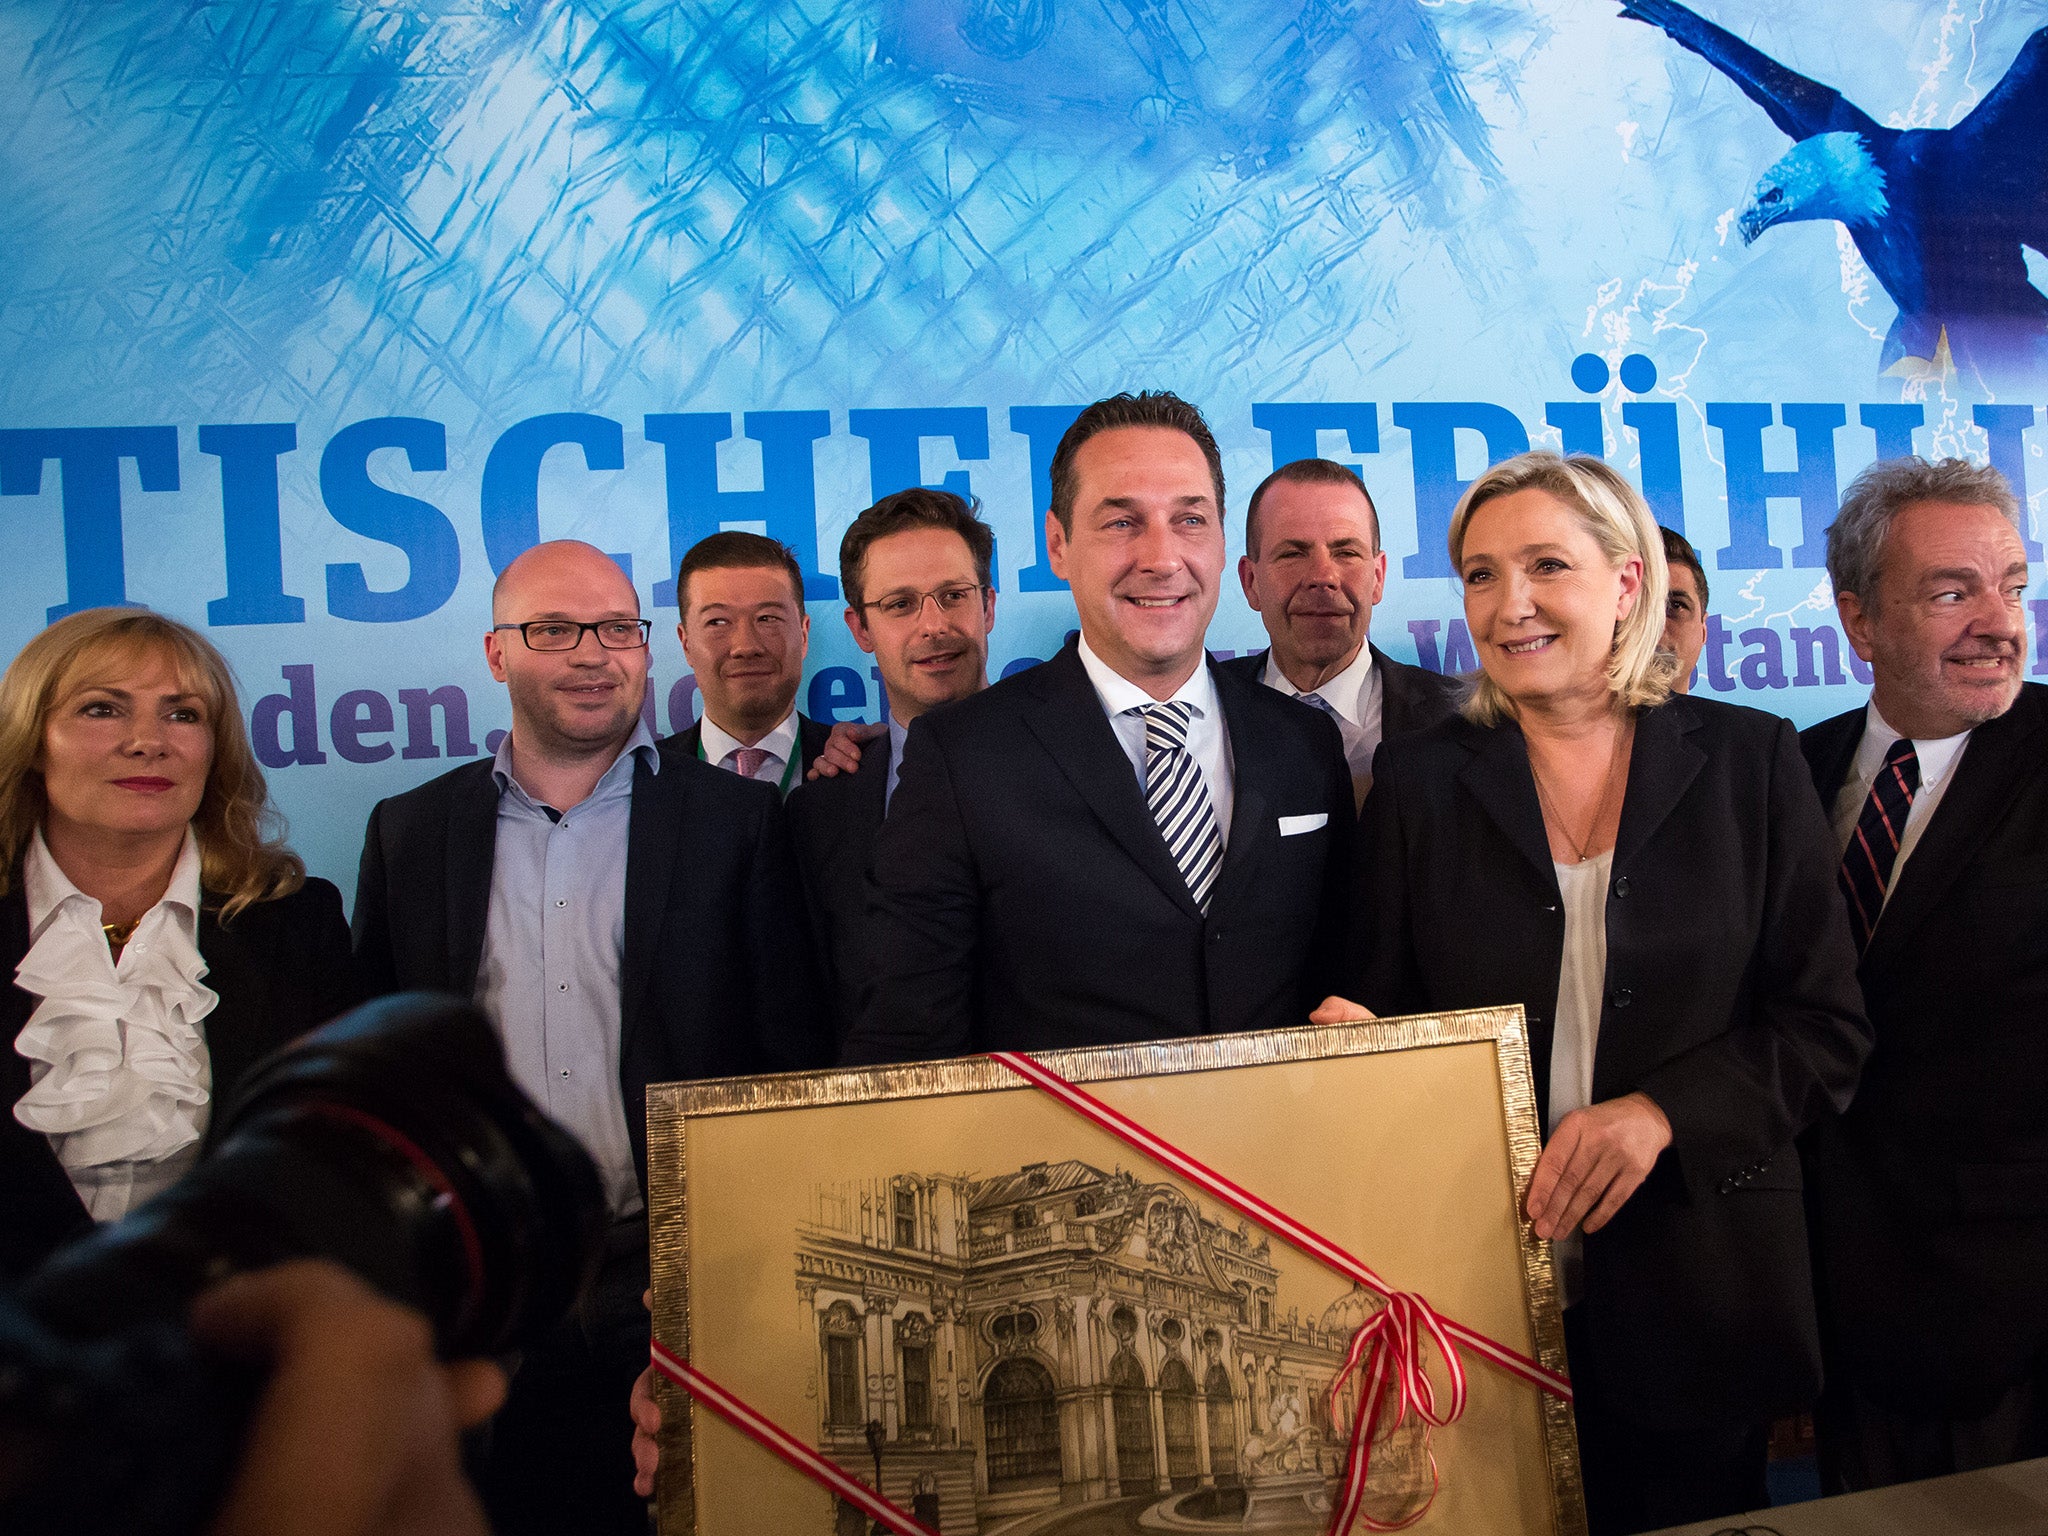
477, 213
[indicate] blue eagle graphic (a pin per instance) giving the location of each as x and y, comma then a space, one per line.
1939, 215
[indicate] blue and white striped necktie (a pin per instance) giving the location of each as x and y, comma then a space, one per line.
1178, 796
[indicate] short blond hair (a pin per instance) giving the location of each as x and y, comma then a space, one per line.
242, 854
1614, 514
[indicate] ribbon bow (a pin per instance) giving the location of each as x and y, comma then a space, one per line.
1389, 1345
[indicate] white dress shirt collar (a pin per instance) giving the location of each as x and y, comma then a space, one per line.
46, 888
779, 743
1347, 693
1937, 757
1118, 693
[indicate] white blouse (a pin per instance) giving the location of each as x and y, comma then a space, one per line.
1581, 985
119, 1077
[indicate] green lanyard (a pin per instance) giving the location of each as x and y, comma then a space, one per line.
788, 768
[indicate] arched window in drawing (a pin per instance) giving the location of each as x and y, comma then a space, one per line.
914, 1367
1177, 1406
1020, 1426
842, 1332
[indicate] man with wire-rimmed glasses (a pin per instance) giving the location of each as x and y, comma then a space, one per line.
626, 915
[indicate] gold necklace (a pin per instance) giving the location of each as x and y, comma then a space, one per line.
1580, 845
119, 934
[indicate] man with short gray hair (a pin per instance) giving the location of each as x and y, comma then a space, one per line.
1930, 1194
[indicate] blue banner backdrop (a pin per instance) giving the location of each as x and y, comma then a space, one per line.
316, 314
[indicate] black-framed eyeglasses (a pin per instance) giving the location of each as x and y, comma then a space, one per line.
951, 599
567, 634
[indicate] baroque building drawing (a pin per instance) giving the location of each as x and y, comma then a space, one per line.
1056, 1335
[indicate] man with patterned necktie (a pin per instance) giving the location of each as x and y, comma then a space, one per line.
1124, 843
1313, 570
1930, 1194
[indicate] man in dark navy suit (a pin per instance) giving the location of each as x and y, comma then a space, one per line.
626, 915
919, 599
1930, 1194
1313, 570
1124, 843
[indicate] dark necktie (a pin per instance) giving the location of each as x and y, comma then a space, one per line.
1874, 846
1179, 798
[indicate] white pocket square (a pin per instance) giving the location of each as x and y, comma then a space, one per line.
1291, 826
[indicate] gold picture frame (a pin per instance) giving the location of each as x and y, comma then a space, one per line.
1011, 1293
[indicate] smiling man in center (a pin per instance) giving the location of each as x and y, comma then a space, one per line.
1123, 843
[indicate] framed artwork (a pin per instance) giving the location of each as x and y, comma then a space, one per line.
948, 1281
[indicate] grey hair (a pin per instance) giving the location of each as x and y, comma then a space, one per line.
1875, 499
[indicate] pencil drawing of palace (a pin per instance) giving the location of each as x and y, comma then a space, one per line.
1056, 1335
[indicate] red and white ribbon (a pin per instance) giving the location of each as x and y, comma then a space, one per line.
764, 1430
1389, 1344
1387, 1347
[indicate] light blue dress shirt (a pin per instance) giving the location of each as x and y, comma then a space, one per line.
553, 943
898, 735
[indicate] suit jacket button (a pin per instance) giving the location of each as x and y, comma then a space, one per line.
1621, 888
1623, 997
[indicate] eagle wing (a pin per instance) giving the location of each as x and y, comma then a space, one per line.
1800, 107
2002, 146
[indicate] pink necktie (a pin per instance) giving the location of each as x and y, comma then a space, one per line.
747, 761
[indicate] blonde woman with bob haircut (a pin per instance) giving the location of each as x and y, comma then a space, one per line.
1651, 878
159, 934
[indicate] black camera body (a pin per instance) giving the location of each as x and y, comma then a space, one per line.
392, 1142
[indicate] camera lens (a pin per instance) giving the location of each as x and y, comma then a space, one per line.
393, 1142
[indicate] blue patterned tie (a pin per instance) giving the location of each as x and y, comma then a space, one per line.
1874, 846
1179, 798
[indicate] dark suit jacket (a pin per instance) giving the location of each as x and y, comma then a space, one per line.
1730, 1001
1024, 898
1930, 1195
716, 979
1411, 698
811, 736
280, 967
833, 823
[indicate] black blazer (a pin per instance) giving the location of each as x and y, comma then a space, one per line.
1930, 1195
833, 823
1024, 898
1730, 1001
280, 967
811, 736
716, 979
1411, 698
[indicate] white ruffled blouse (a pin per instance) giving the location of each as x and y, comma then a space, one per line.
119, 1076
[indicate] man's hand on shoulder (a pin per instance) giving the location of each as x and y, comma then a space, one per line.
841, 752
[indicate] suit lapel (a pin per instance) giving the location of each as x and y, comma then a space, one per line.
1070, 725
1833, 753
1253, 827
2000, 754
1396, 707
1662, 765
1498, 777
653, 832
472, 848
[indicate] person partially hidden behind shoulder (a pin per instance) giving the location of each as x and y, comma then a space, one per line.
1123, 843
626, 915
919, 599
1930, 1192
159, 938
1650, 876
1313, 570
